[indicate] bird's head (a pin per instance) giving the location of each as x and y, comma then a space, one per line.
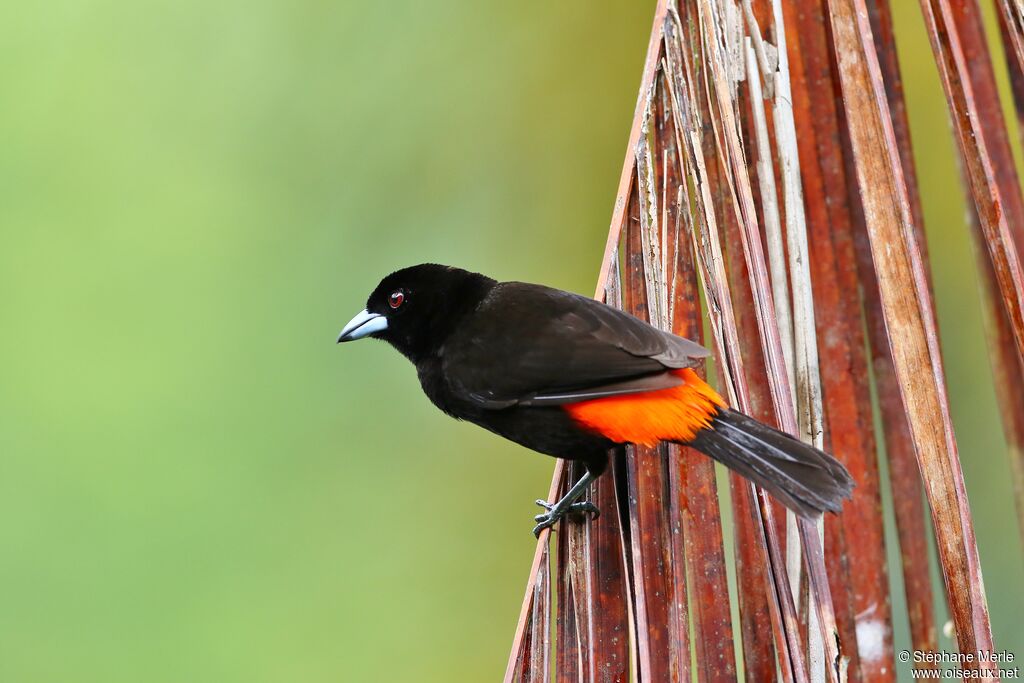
416, 308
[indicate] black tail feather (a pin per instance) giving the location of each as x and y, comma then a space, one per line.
805, 479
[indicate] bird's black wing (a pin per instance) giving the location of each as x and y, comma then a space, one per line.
533, 345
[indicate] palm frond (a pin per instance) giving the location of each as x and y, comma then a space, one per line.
769, 185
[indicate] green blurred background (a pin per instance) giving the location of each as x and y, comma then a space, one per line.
195, 483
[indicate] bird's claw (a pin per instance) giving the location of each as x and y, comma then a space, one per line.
553, 514
584, 507
543, 522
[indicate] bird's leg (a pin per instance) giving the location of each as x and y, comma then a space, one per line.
566, 505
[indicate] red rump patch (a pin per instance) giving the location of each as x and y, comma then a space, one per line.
673, 414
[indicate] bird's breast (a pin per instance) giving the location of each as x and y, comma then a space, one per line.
439, 390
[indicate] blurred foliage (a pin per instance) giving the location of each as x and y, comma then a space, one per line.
196, 483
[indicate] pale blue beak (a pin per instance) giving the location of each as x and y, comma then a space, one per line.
363, 325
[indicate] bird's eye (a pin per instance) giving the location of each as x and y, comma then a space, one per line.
396, 298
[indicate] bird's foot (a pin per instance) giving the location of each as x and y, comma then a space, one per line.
554, 513
583, 507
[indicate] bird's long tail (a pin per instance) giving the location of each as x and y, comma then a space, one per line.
804, 478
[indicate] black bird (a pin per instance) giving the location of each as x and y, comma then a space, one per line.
570, 377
